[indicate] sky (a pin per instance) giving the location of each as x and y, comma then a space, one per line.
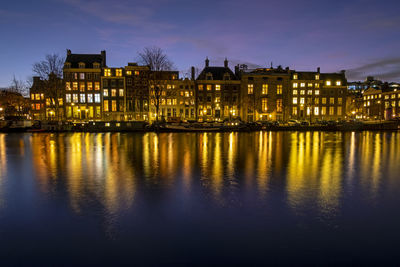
359, 36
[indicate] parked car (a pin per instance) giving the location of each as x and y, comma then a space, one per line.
293, 122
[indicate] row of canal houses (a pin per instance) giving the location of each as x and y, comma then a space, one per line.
92, 91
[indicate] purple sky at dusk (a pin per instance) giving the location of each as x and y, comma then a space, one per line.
360, 36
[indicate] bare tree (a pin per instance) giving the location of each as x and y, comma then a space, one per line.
158, 62
13, 98
53, 63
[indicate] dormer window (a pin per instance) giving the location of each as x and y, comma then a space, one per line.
317, 76
67, 65
96, 65
209, 76
81, 65
227, 77
295, 77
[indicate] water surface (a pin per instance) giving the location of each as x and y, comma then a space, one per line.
182, 198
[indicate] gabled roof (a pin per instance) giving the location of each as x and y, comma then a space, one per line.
217, 73
88, 59
371, 91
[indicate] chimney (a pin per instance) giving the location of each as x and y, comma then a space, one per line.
226, 63
193, 74
237, 70
318, 69
207, 62
68, 52
103, 58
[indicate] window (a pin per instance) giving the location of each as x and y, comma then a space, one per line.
107, 72
187, 93
113, 92
129, 81
316, 92
118, 72
324, 100
81, 65
121, 92
114, 105
38, 106
90, 98
169, 102
295, 76
265, 89
33, 96
331, 110
279, 105
75, 86
75, 76
68, 86
279, 89
105, 93
316, 111
317, 76
316, 101
339, 101
295, 85
302, 92
217, 99
83, 98
136, 72
217, 87
75, 98
332, 100
105, 105
294, 110
302, 84
200, 87
128, 72
209, 87
88, 76
338, 83
264, 104
309, 85
316, 85
82, 86
90, 86
81, 76
339, 111
328, 83
97, 98
250, 89
68, 98
323, 111
294, 92
295, 100
96, 86
309, 92
302, 100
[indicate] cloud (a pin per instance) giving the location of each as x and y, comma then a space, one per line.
385, 69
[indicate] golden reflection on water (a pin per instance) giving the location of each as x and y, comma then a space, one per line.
314, 169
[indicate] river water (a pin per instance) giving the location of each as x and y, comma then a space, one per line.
205, 198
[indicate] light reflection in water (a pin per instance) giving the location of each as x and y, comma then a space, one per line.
314, 169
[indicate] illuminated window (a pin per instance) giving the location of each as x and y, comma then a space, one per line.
302, 84
250, 89
75, 98
82, 76
113, 92
264, 104
68, 86
187, 93
107, 73
96, 86
128, 72
38, 106
47, 101
60, 101
168, 101
82, 86
265, 89
279, 106
200, 87
309, 92
324, 100
295, 76
302, 100
295, 100
209, 87
75, 85
89, 86
339, 111
317, 76
323, 111
68, 98
33, 96
294, 110
83, 98
316, 111
328, 83
136, 72
316, 85
295, 85
97, 98
309, 84
114, 105
90, 98
302, 92
316, 101
331, 111
294, 92
279, 89
118, 72
42, 96
37, 96
332, 100
105, 93
105, 105
121, 92
316, 92
217, 87
169, 86
338, 83
339, 101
